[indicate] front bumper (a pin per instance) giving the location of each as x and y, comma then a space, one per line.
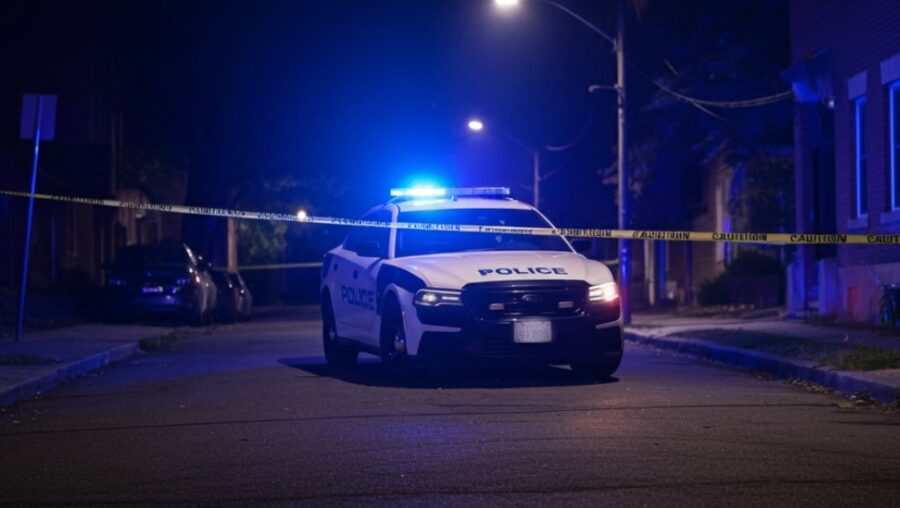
589, 332
574, 340
128, 303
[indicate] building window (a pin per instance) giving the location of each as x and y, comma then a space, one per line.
895, 145
859, 107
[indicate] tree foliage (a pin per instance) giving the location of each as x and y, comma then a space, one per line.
677, 144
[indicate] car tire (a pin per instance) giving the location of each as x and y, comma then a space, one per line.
337, 355
395, 360
599, 369
231, 315
196, 317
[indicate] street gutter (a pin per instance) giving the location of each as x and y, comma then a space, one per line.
41, 383
848, 383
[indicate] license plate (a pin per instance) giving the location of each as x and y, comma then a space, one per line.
152, 290
532, 332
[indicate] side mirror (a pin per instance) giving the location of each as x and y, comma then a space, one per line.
369, 249
582, 245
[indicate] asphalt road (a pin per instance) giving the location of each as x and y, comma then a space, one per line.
248, 414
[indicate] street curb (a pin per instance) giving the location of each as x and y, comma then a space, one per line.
844, 382
44, 382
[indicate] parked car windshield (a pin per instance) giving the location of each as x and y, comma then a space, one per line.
412, 242
142, 255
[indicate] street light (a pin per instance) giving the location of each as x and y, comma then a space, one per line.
477, 125
619, 44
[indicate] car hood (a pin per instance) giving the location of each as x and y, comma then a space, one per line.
455, 270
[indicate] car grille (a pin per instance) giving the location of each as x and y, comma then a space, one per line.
501, 300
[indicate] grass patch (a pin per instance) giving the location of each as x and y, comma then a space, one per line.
164, 342
832, 322
869, 358
777, 344
836, 355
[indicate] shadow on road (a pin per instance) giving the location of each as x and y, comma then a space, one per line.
487, 375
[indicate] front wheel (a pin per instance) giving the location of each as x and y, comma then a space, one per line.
196, 317
337, 355
394, 357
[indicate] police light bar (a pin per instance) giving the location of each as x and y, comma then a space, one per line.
433, 192
418, 192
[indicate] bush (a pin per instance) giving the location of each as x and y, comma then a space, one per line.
44, 308
753, 277
715, 291
753, 263
71, 300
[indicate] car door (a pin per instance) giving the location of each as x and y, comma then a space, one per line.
364, 251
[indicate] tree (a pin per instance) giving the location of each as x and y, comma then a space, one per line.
677, 141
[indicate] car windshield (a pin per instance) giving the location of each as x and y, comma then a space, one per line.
412, 242
142, 255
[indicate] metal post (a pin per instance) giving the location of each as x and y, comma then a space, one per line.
624, 258
34, 166
537, 179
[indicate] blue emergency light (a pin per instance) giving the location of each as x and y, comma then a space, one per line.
418, 192
436, 192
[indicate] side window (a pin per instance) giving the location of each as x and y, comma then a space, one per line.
354, 238
895, 145
862, 197
382, 236
363, 239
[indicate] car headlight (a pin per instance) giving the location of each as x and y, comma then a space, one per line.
607, 292
438, 297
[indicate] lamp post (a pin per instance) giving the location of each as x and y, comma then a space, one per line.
477, 125
622, 160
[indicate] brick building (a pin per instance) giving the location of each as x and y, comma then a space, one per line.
81, 63
846, 77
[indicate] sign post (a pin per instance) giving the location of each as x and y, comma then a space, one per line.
38, 122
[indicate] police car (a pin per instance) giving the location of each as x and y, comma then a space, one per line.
439, 293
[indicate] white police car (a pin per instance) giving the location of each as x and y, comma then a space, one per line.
432, 294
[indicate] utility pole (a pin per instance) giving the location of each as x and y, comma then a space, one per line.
38, 122
622, 152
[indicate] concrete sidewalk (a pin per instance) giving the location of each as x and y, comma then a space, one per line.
43, 359
709, 337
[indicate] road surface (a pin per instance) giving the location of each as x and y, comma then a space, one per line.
248, 414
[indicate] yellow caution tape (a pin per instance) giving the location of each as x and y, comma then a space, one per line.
687, 236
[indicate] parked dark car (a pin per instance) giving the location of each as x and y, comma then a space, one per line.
235, 302
160, 280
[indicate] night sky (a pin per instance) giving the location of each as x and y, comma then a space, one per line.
368, 95
376, 94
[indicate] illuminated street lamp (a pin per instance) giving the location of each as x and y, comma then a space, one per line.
619, 44
476, 125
